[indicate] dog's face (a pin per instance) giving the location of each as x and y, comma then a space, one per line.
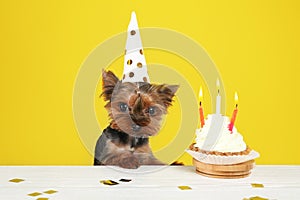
136, 108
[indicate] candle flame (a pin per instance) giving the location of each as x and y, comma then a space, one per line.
200, 94
218, 85
236, 98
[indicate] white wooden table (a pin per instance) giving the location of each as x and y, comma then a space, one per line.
148, 182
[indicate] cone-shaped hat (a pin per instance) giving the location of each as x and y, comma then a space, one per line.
135, 68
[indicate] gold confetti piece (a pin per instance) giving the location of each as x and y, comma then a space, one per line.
109, 182
255, 198
42, 198
16, 180
177, 163
184, 187
125, 180
50, 191
257, 185
34, 194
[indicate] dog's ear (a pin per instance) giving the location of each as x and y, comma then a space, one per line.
166, 93
109, 81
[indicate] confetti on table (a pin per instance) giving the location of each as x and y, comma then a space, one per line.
125, 180
16, 180
109, 182
34, 194
42, 198
50, 191
255, 198
184, 187
178, 163
257, 185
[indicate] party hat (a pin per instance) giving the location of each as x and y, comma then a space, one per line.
135, 68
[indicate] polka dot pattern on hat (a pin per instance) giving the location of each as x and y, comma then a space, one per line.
132, 32
140, 65
135, 65
129, 62
131, 74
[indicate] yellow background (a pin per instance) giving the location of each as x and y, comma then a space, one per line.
255, 45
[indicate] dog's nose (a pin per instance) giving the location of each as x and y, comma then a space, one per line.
135, 127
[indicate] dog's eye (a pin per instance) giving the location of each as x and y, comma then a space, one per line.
151, 110
123, 107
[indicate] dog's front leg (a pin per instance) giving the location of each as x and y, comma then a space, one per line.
147, 159
123, 159
110, 153
145, 156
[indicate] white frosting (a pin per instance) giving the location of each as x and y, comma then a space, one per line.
227, 141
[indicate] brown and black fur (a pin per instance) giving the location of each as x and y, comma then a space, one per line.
136, 111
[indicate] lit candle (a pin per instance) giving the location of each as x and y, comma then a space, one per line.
233, 117
218, 102
201, 108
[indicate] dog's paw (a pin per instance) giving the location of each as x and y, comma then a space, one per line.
148, 159
154, 161
129, 163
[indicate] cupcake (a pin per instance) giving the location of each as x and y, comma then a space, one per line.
219, 152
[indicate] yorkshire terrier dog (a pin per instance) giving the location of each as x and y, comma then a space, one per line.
136, 111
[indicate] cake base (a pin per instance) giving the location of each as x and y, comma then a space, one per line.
239, 170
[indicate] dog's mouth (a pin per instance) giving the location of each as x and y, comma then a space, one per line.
139, 131
135, 128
